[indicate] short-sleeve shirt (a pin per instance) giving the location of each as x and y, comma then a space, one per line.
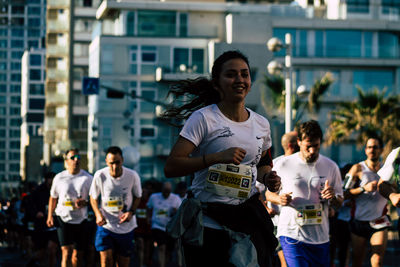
211, 131
67, 188
112, 190
163, 209
306, 181
388, 169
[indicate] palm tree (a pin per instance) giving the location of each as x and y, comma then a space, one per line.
372, 113
273, 98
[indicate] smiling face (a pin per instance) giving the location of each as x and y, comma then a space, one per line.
234, 81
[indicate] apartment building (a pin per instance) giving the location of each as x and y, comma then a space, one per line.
356, 41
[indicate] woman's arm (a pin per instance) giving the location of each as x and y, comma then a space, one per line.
180, 163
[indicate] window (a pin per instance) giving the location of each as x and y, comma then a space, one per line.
15, 100
17, 54
36, 89
156, 23
3, 144
15, 145
79, 123
147, 132
16, 77
388, 45
3, 43
15, 88
34, 22
35, 103
183, 26
358, 6
17, 9
3, 55
17, 32
191, 58
15, 122
343, 43
33, 33
33, 10
33, 44
3, 99
3, 32
34, 74
130, 23
35, 117
14, 167
15, 66
3, 122
370, 79
15, 111
3, 88
13, 155
3, 65
3, 111
14, 133
17, 43
3, 77
133, 59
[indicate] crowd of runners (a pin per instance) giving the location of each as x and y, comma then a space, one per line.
241, 208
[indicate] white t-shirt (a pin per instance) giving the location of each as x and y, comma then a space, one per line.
116, 197
306, 181
163, 209
369, 205
67, 188
210, 131
387, 171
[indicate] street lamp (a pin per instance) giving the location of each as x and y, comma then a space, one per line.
275, 45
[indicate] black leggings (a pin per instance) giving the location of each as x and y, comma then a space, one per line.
213, 253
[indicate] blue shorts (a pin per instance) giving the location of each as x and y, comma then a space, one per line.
300, 254
121, 244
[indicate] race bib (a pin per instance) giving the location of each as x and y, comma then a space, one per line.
229, 180
162, 213
69, 204
380, 223
141, 213
309, 214
113, 204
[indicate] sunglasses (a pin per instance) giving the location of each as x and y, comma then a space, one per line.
74, 157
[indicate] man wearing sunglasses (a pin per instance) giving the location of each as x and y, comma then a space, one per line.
69, 196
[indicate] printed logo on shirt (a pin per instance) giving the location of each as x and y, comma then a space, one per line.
225, 132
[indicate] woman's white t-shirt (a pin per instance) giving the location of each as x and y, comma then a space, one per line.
112, 189
210, 131
67, 188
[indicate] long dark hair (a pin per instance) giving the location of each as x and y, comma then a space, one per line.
199, 92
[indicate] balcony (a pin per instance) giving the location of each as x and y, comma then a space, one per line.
58, 3
57, 50
54, 123
56, 99
57, 74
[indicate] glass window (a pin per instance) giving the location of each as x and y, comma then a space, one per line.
370, 79
33, 33
15, 66
33, 10
13, 155
33, 44
3, 43
3, 122
15, 111
156, 23
17, 43
14, 133
3, 111
34, 22
181, 57
3, 54
130, 23
388, 45
2, 153
17, 32
198, 60
15, 144
2, 144
15, 88
358, 6
15, 122
3, 77
3, 32
3, 99
36, 89
15, 100
35, 60
302, 51
17, 9
343, 43
3, 65
183, 26
16, 77
280, 34
14, 167
34, 74
3, 88
147, 132
35, 103
17, 54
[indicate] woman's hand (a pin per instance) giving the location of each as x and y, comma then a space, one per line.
233, 155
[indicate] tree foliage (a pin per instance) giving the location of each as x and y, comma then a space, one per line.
372, 113
273, 98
